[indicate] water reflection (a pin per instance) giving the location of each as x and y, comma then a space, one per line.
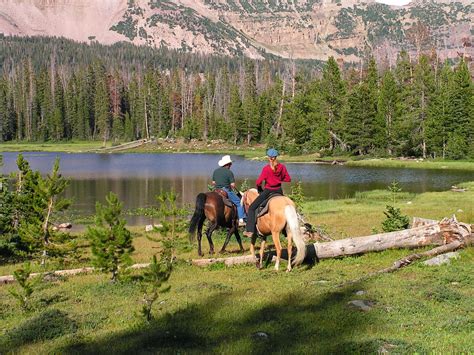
138, 178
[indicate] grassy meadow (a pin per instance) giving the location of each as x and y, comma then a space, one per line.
235, 310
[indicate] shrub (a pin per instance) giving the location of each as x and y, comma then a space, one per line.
111, 242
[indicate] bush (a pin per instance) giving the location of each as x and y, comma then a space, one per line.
395, 220
111, 242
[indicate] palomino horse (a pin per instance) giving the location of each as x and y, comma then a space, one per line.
281, 217
211, 205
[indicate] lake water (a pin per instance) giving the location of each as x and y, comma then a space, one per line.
137, 178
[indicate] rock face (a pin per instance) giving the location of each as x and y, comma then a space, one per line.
311, 29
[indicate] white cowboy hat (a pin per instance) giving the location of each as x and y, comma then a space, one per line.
225, 160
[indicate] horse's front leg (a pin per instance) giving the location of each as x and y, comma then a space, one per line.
209, 232
253, 239
230, 231
239, 240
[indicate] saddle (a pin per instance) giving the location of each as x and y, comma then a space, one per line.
225, 198
263, 208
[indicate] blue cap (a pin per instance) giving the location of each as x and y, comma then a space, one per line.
272, 153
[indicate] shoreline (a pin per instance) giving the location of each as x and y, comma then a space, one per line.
256, 152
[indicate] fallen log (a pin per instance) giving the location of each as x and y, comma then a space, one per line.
84, 270
440, 233
429, 233
407, 260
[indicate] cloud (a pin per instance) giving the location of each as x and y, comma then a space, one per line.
394, 2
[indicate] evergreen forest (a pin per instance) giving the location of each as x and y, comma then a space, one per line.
53, 89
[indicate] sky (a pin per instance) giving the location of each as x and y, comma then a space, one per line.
394, 2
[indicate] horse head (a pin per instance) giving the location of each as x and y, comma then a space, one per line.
248, 197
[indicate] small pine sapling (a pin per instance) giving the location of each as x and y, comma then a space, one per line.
172, 219
154, 278
297, 195
394, 220
244, 186
27, 286
111, 241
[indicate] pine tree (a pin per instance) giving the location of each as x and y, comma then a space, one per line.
387, 111
376, 124
235, 114
440, 123
424, 86
7, 237
360, 125
57, 121
405, 116
101, 104
251, 121
111, 241
333, 101
462, 103
35, 204
297, 123
3, 110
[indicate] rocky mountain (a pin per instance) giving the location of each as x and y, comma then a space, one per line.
309, 29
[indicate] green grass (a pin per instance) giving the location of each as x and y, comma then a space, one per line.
418, 309
414, 164
70, 146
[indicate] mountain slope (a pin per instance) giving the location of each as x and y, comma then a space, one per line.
300, 29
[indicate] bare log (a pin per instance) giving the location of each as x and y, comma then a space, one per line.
409, 259
10, 279
418, 222
235, 260
429, 233
440, 233
408, 238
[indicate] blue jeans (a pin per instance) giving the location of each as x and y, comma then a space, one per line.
236, 201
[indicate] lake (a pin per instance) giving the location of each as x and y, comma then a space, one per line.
137, 178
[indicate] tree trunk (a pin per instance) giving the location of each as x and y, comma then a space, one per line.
428, 233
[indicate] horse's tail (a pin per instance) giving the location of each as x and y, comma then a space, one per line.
198, 215
292, 226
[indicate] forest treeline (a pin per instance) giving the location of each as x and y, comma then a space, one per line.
54, 90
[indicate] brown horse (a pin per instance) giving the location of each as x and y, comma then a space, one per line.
281, 217
211, 205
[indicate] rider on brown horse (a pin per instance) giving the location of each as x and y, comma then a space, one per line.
273, 174
223, 178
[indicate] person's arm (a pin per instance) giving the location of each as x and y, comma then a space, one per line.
260, 179
285, 176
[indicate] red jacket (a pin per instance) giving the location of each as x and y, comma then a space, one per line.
273, 179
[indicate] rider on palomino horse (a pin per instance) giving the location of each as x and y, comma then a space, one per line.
273, 174
223, 178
